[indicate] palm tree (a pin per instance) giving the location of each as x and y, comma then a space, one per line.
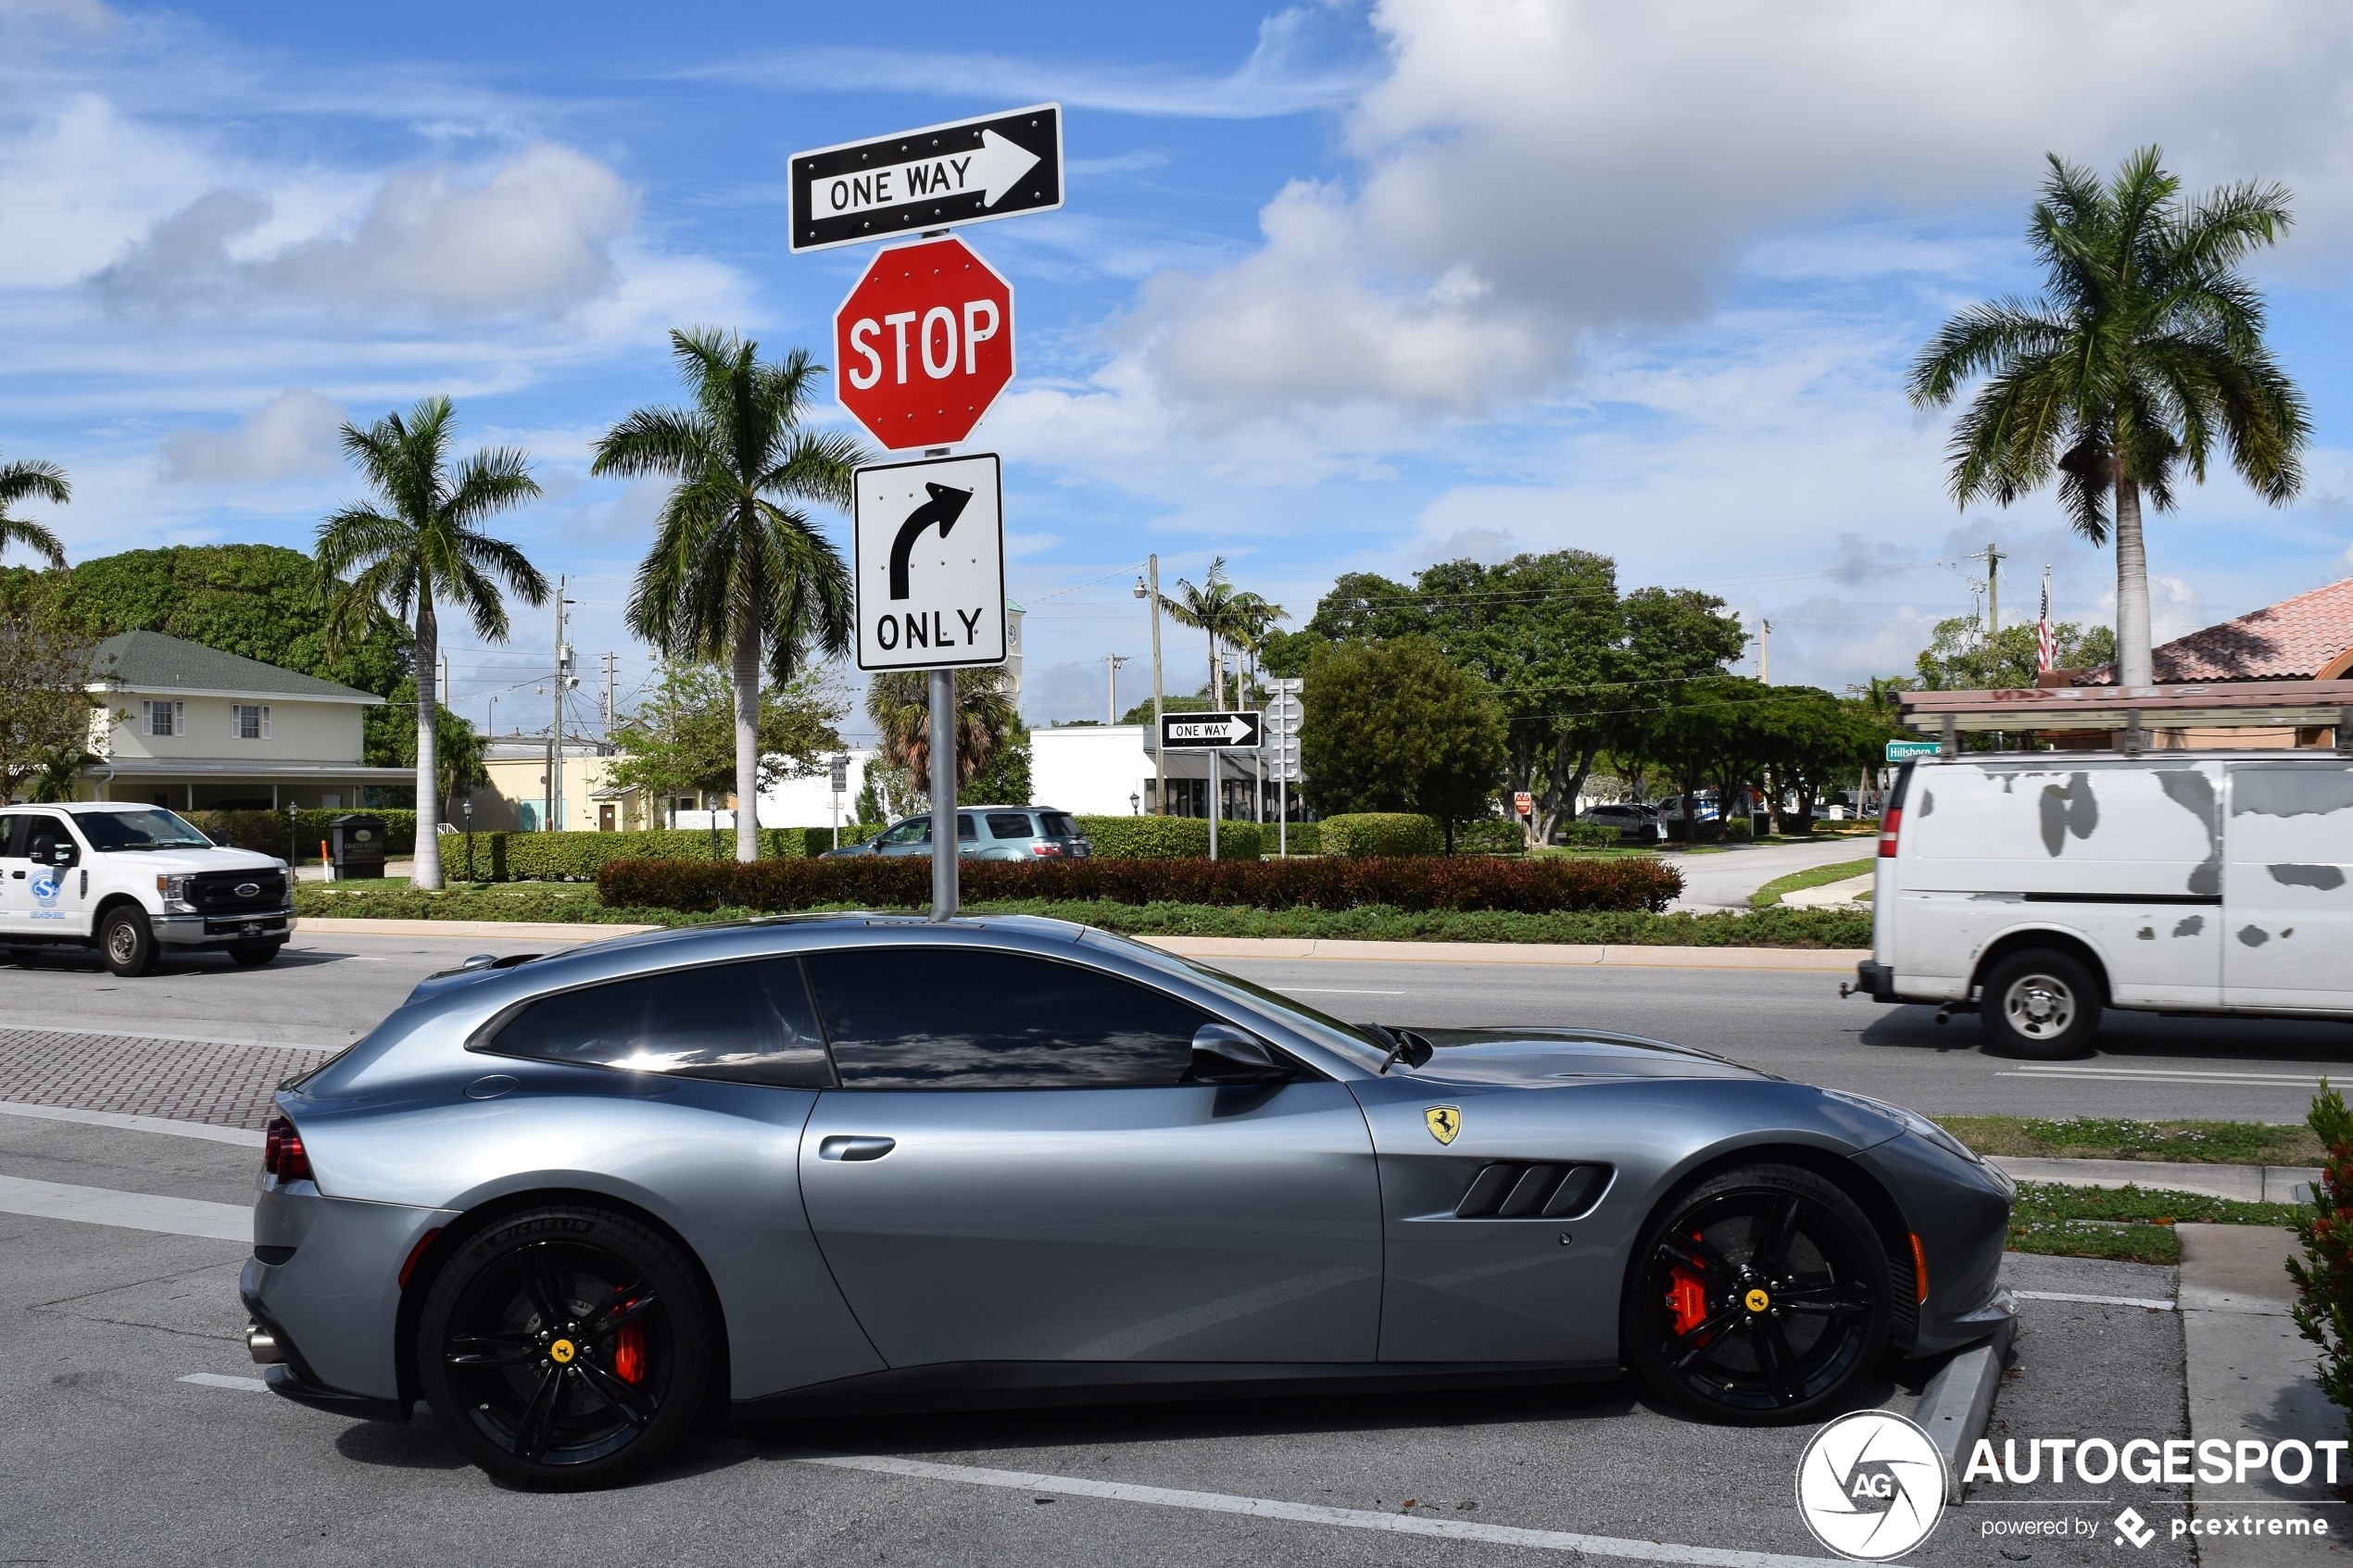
44, 480
899, 701
1215, 608
424, 547
739, 575
1258, 616
2146, 344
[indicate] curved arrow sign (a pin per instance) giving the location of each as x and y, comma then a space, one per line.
942, 511
930, 564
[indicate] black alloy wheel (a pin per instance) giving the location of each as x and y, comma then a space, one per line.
1762, 1297
566, 1349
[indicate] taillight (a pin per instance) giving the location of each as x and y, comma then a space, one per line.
283, 1156
1040, 847
1891, 824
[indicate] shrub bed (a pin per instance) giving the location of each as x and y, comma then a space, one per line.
1170, 838
265, 832
1411, 884
578, 857
1359, 835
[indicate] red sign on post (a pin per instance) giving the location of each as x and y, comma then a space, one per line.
923, 343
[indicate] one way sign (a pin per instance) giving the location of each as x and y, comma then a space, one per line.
930, 572
1210, 732
966, 171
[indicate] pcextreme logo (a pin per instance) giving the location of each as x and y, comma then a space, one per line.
1870, 1486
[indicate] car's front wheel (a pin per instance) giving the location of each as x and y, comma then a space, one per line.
1762, 1294
127, 940
566, 1347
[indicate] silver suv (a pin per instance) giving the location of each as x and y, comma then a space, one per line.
985, 832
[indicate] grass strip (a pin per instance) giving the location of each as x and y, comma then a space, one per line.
1770, 893
2131, 1224
2094, 1138
577, 901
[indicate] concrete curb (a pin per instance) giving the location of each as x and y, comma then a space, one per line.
1958, 1402
1802, 960
2246, 1183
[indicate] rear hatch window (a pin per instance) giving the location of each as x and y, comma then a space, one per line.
1058, 824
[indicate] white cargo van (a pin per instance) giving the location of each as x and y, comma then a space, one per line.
2043, 886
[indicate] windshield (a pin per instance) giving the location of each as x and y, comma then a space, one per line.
153, 829
1351, 1040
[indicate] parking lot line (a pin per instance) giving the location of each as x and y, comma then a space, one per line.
220, 1380
116, 1118
131, 1210
1314, 1513
2152, 1304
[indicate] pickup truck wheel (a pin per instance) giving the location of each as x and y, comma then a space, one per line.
2041, 1005
127, 941
256, 956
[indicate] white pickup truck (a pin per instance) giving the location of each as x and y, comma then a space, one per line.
2041, 887
132, 880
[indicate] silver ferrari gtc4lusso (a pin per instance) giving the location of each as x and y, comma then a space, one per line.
842, 1162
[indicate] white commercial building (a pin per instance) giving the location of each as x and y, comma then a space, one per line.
1093, 770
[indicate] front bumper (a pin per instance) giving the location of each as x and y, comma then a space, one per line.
1960, 1211
223, 931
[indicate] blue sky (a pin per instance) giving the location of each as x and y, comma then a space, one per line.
1337, 286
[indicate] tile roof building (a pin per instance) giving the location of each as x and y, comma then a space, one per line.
2308, 638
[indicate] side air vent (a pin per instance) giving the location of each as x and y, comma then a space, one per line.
1513, 1190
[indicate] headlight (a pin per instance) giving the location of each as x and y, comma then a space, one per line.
1918, 1125
173, 890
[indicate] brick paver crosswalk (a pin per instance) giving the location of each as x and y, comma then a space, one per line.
227, 1086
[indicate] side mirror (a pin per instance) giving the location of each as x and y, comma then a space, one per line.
1223, 1054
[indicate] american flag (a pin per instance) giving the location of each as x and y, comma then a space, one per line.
2046, 647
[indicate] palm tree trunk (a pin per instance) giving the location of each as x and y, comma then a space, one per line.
427, 867
1216, 676
747, 676
2133, 666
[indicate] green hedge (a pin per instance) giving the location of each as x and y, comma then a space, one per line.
1171, 839
1491, 835
265, 832
1300, 838
1356, 835
578, 857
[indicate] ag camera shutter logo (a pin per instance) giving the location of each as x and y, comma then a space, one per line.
1870, 1486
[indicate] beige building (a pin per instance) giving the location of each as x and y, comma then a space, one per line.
191, 727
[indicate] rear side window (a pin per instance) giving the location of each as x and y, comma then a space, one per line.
1009, 825
962, 1018
1057, 824
744, 1022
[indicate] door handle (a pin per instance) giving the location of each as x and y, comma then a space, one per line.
854, 1148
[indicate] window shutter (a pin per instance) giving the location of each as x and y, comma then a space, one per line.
265, 721
149, 710
179, 718
237, 722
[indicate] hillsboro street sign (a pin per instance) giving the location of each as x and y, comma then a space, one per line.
1210, 732
923, 343
964, 171
930, 568
1903, 750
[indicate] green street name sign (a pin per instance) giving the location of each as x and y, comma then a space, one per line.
1899, 750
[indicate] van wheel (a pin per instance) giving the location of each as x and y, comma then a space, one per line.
2041, 1005
127, 940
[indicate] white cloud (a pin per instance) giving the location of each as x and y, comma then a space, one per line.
294, 434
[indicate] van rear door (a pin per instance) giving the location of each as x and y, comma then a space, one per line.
2288, 886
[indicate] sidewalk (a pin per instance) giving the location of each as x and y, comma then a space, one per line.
1723, 879
2248, 1184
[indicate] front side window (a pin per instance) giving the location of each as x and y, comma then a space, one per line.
743, 1022
44, 840
967, 1018
914, 830
249, 720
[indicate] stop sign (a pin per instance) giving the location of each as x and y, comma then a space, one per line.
923, 343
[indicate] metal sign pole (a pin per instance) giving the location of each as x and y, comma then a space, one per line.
1214, 780
943, 795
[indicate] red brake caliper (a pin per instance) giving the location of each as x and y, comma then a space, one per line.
629, 1352
1686, 1298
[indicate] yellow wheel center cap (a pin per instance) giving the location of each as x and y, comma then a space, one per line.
1756, 1301
563, 1350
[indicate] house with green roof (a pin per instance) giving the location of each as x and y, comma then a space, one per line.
182, 725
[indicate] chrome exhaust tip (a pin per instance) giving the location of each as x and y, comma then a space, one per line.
262, 1346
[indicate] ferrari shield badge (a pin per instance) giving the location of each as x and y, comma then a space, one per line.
1444, 1121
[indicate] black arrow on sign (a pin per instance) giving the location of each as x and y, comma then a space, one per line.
944, 507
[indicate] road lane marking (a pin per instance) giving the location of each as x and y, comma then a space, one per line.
133, 1123
2152, 1304
2157, 1075
131, 1210
1343, 991
1314, 1513
218, 1380
2077, 1070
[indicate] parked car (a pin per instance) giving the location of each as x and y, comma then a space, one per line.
131, 881
2040, 888
1635, 824
1003, 1160
985, 832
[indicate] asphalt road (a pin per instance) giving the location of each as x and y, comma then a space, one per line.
328, 990
116, 1457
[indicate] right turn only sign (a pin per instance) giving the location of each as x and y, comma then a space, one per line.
930, 568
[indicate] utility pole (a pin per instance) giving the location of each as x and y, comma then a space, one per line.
1993, 558
445, 678
1765, 652
1159, 763
554, 799
1112, 661
610, 660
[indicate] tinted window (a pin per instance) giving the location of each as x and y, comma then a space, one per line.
156, 829
747, 1022
1009, 825
960, 1018
912, 832
1056, 825
43, 836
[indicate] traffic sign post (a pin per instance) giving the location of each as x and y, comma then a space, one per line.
964, 171
1215, 733
923, 343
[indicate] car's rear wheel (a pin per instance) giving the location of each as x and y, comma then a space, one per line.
127, 941
2041, 1005
1762, 1294
254, 957
566, 1347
